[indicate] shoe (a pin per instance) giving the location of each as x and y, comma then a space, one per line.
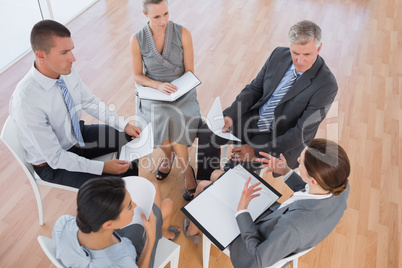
196, 239
175, 230
189, 194
162, 174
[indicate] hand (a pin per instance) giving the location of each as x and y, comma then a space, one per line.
150, 230
133, 131
149, 225
167, 88
243, 153
228, 124
274, 164
248, 194
116, 166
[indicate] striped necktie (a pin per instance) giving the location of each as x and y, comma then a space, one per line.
265, 121
71, 109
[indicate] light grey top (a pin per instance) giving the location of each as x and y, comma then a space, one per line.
178, 120
72, 254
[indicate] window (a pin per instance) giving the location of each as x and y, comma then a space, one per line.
18, 17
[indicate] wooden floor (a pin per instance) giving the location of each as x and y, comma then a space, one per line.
362, 45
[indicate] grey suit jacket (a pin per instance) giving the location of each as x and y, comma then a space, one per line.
300, 111
278, 233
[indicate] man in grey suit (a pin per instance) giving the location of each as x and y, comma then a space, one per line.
280, 110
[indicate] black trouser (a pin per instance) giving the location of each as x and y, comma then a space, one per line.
209, 149
136, 233
99, 140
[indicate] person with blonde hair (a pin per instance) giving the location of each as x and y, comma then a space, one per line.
161, 52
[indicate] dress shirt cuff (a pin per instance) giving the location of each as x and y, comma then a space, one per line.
287, 175
240, 212
121, 124
96, 167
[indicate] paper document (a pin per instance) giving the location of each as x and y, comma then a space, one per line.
138, 147
215, 121
142, 193
184, 84
213, 210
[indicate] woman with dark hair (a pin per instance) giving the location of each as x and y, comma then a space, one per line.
95, 239
302, 221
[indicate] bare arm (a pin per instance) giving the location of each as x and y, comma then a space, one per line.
188, 51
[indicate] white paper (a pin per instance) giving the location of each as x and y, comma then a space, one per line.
216, 122
138, 147
215, 208
230, 197
142, 192
267, 197
184, 84
219, 221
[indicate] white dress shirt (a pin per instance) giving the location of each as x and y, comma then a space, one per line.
303, 195
46, 132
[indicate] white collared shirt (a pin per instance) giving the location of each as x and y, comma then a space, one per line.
41, 114
303, 195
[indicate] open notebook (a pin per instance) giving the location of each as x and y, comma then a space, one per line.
184, 84
213, 210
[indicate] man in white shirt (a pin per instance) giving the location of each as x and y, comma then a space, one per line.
46, 106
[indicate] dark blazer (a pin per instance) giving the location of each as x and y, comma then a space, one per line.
278, 233
300, 111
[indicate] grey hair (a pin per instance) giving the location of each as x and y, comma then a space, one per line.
303, 32
145, 4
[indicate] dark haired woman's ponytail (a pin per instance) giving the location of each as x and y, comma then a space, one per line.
85, 228
98, 201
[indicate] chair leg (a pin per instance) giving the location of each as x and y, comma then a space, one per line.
224, 154
174, 261
262, 171
295, 263
206, 250
38, 201
150, 162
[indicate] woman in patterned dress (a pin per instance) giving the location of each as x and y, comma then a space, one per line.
161, 52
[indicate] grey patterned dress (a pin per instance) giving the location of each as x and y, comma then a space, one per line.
178, 120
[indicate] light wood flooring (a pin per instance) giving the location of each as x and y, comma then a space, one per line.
362, 45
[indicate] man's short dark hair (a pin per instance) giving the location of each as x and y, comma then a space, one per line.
42, 34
